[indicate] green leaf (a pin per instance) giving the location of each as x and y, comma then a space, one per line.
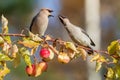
110, 73
98, 66
4, 57
71, 46
113, 47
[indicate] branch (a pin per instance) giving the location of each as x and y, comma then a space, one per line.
10, 34
60, 42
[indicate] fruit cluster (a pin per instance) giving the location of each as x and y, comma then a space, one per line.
47, 55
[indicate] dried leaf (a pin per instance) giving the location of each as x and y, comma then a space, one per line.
4, 24
5, 29
47, 37
6, 47
14, 50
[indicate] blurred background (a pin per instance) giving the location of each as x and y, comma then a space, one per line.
107, 14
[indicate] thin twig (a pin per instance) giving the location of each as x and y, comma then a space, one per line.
19, 35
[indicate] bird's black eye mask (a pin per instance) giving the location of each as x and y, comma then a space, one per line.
50, 10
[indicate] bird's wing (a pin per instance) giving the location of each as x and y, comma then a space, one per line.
92, 43
32, 22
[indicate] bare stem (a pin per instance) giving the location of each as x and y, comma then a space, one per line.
10, 34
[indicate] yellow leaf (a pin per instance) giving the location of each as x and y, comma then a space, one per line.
1, 41
33, 50
83, 53
16, 60
98, 66
29, 43
26, 55
4, 72
95, 58
113, 47
101, 59
35, 37
71, 46
114, 60
4, 57
110, 73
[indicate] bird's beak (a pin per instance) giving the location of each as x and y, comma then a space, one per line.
50, 12
51, 16
61, 18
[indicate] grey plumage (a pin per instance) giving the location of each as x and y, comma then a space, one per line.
77, 34
40, 22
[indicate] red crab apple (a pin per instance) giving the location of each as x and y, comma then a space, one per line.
46, 54
30, 70
63, 58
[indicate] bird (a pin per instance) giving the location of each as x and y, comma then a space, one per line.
39, 22
77, 34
